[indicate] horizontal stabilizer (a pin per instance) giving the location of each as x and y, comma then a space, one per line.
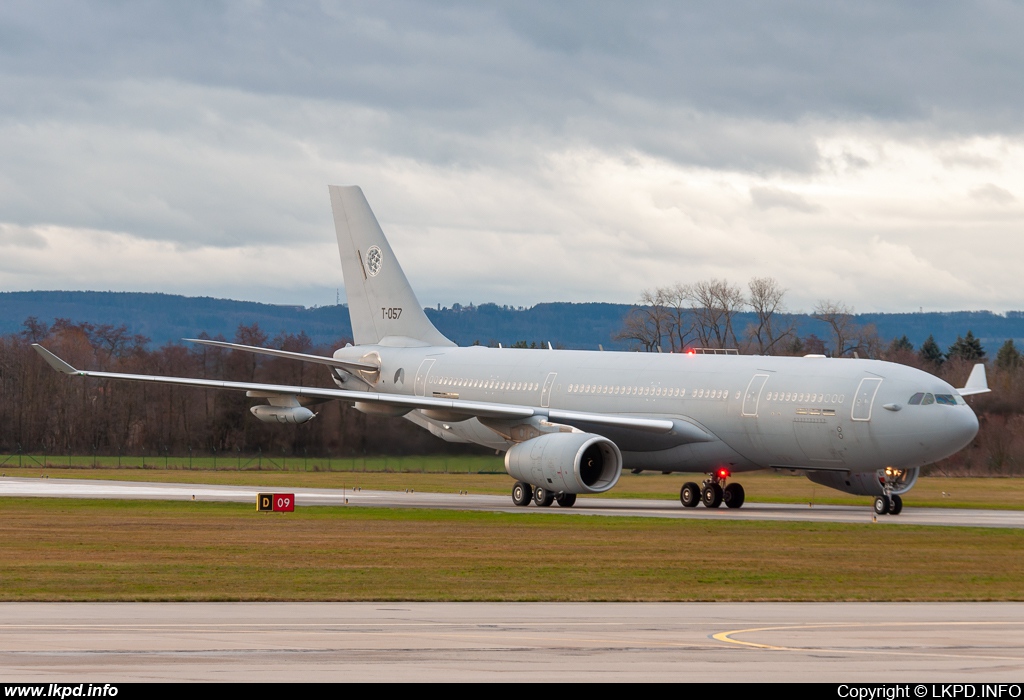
977, 383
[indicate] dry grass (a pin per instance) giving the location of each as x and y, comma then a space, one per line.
135, 550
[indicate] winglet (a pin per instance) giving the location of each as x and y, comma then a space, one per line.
977, 383
54, 361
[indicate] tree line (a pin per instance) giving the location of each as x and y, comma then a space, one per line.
43, 411
46, 412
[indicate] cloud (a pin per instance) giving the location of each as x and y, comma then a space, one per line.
992, 193
772, 197
516, 153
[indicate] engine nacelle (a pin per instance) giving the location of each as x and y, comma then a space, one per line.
282, 414
567, 462
867, 483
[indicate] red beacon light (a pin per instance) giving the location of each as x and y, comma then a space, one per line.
723, 473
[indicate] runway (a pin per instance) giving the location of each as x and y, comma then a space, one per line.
84, 488
576, 642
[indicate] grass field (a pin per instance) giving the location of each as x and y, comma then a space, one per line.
54, 549
424, 474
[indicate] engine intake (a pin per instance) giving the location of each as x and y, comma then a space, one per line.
566, 462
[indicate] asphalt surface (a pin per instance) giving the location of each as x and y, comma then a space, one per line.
84, 488
577, 642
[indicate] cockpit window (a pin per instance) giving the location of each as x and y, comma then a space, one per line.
915, 400
928, 400
945, 399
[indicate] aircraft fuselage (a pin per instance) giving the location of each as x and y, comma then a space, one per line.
807, 413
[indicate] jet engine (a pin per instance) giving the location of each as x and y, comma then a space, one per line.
566, 462
282, 414
868, 483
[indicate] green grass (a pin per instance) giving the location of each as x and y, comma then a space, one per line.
55, 549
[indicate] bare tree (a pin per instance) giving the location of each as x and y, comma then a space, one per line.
715, 303
679, 309
770, 333
848, 337
647, 323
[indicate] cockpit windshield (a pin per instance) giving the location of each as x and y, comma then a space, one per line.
923, 399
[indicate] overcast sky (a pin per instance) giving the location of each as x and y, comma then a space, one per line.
518, 152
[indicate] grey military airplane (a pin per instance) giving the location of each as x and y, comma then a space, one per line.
570, 421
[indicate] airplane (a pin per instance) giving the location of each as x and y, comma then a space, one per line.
570, 421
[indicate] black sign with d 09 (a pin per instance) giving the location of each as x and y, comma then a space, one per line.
275, 502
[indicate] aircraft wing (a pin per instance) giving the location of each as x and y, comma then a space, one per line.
479, 409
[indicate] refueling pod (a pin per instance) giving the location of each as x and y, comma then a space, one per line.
282, 414
566, 462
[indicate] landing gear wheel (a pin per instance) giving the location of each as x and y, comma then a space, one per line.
711, 496
733, 496
689, 495
542, 497
522, 494
566, 500
882, 505
895, 505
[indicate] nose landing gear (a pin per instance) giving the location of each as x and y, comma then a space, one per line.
889, 503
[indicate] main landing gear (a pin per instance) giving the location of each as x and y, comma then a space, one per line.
523, 493
713, 493
889, 503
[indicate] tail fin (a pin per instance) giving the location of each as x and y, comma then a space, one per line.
381, 304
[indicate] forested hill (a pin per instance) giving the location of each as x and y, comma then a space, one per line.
168, 318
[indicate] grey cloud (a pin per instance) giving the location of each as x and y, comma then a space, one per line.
993, 193
773, 197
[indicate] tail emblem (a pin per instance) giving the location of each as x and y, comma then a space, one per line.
374, 259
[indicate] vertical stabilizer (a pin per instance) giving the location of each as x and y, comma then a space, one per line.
382, 306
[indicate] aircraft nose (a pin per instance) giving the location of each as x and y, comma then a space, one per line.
962, 426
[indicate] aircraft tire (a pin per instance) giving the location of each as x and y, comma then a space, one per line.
566, 500
522, 494
895, 505
881, 505
733, 496
711, 496
542, 497
689, 495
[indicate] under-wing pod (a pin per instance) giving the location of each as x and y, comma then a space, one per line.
868, 483
282, 414
567, 462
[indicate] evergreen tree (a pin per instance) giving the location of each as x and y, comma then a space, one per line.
930, 352
901, 344
966, 348
1008, 358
